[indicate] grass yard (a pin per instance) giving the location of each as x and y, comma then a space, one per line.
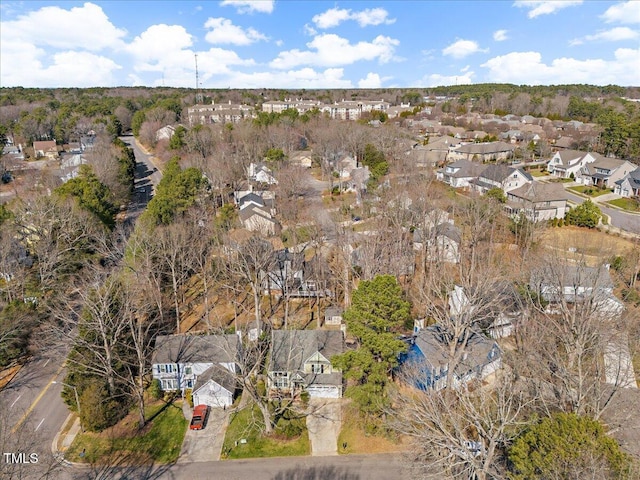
123, 444
590, 191
538, 173
357, 440
587, 242
626, 203
245, 425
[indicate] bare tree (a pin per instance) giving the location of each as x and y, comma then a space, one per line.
459, 433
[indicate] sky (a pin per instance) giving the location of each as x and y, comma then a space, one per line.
292, 44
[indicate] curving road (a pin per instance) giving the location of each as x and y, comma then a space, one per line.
619, 219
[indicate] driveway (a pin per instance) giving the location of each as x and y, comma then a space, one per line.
323, 423
206, 445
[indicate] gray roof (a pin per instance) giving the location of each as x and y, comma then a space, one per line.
195, 349
571, 276
486, 148
604, 164
431, 342
467, 169
540, 192
497, 172
291, 348
219, 375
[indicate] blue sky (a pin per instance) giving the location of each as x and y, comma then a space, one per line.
317, 44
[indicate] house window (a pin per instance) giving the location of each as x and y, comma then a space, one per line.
166, 368
169, 384
188, 370
281, 379
317, 368
189, 383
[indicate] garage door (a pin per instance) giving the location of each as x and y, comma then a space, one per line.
317, 391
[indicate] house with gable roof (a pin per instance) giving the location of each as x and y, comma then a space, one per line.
605, 172
301, 361
181, 362
460, 173
538, 201
500, 176
483, 152
564, 163
629, 186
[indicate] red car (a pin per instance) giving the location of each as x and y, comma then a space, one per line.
199, 418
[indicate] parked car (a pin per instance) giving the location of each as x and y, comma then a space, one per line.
199, 418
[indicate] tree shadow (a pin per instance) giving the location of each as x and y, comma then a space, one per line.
316, 473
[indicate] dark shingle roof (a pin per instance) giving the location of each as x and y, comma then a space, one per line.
218, 374
291, 348
195, 349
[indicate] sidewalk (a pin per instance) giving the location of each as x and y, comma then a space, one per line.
65, 437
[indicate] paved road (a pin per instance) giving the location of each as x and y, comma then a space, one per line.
342, 467
33, 411
619, 219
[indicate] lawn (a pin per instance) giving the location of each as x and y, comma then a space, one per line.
245, 425
538, 173
357, 440
591, 243
123, 444
626, 203
590, 191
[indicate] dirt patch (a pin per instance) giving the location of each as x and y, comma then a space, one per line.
353, 439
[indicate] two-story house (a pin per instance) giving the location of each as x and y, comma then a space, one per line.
605, 172
500, 176
538, 201
458, 174
179, 361
565, 163
427, 362
301, 361
46, 148
576, 284
629, 186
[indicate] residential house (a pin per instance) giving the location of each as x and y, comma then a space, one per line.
576, 284
483, 152
259, 172
441, 243
46, 148
215, 387
427, 362
259, 219
301, 158
538, 201
564, 143
165, 133
629, 186
433, 153
301, 361
500, 176
566, 163
605, 172
458, 174
179, 360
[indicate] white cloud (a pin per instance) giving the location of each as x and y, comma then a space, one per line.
294, 79
500, 35
64, 69
372, 80
626, 12
528, 68
250, 6
335, 16
86, 27
330, 50
224, 31
435, 80
613, 35
545, 7
462, 48
159, 43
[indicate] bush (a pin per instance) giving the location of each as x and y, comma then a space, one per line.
188, 396
155, 389
99, 410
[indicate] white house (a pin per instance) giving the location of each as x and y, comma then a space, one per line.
259, 172
458, 174
500, 176
605, 172
629, 186
180, 360
564, 163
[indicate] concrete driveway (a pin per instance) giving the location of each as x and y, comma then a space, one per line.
323, 423
206, 445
